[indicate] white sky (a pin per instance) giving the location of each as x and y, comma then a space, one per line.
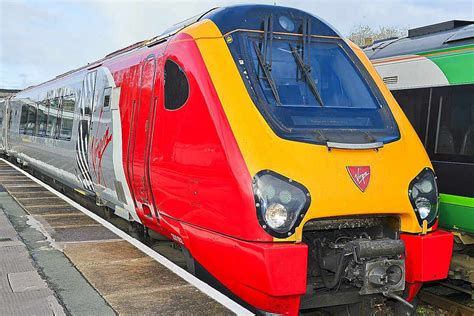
41, 39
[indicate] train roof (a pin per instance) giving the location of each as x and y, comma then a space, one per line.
228, 19
252, 16
427, 38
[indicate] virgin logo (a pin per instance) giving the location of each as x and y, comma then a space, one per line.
360, 175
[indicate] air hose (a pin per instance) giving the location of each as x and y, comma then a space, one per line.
330, 284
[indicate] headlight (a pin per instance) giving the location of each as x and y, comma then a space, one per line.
281, 203
423, 193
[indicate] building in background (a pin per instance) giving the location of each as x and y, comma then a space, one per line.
7, 92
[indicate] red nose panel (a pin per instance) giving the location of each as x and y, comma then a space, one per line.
360, 175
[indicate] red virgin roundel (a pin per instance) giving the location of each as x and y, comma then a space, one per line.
360, 175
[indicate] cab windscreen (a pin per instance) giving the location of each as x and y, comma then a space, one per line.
313, 89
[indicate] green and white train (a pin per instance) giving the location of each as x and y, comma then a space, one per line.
431, 74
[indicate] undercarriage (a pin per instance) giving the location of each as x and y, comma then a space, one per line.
355, 266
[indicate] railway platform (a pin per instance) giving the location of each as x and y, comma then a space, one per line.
57, 259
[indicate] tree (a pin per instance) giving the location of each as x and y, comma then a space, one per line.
364, 35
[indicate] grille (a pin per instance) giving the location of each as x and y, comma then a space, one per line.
390, 80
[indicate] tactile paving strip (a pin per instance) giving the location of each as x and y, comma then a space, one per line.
22, 290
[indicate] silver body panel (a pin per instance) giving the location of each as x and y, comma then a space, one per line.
87, 158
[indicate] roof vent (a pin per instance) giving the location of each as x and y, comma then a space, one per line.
126, 49
463, 34
384, 39
438, 27
390, 80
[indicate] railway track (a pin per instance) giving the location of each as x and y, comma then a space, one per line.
452, 300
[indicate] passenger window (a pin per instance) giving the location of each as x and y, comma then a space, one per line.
68, 108
176, 86
52, 126
415, 104
24, 117
455, 126
59, 119
30, 128
107, 92
43, 107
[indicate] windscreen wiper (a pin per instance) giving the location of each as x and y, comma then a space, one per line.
369, 137
267, 72
306, 69
267, 50
306, 41
321, 135
268, 41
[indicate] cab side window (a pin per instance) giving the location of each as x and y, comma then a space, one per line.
176, 86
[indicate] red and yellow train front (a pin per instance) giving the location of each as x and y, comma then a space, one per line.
290, 174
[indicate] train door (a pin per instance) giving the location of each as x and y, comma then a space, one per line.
86, 105
7, 119
101, 135
141, 138
3, 104
4, 125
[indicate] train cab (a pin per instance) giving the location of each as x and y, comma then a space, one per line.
331, 167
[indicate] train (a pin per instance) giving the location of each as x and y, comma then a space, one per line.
431, 74
264, 144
